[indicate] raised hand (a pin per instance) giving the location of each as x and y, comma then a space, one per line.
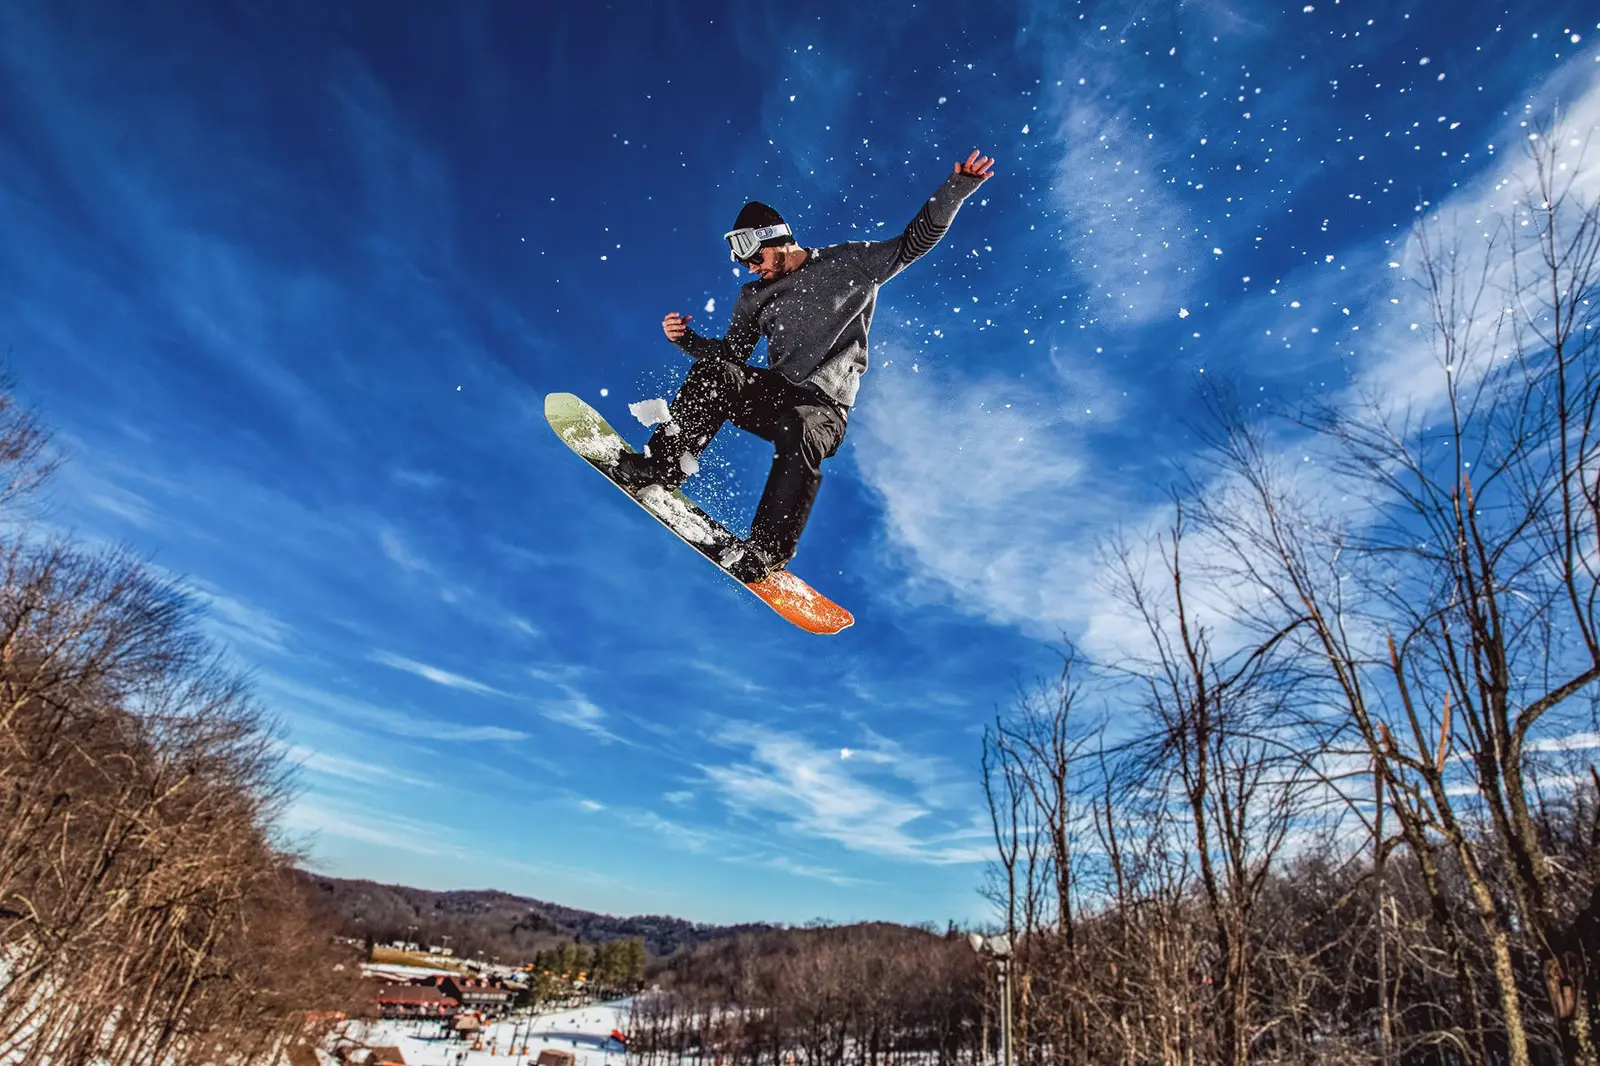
976, 166
675, 326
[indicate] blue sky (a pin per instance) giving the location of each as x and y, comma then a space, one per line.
291, 281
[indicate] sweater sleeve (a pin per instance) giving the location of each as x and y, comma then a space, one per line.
736, 347
885, 259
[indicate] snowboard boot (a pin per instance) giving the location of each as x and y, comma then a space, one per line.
754, 564
635, 470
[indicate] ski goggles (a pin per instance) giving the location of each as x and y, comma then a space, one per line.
745, 244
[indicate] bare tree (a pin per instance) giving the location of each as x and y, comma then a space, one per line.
145, 913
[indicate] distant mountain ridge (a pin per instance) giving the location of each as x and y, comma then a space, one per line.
486, 923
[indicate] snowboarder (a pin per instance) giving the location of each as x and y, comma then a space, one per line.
814, 307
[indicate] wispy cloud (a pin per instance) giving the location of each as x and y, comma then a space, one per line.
689, 838
1570, 742
240, 623
352, 769
784, 864
320, 817
728, 847
1003, 511
401, 554
434, 674
810, 790
733, 679
575, 709
523, 626
381, 719
416, 479
987, 497
570, 706
1130, 239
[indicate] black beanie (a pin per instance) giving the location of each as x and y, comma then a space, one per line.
755, 215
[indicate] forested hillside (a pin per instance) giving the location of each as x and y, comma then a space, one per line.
486, 923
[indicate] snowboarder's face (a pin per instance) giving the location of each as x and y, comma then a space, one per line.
776, 262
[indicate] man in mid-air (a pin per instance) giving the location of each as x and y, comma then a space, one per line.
814, 306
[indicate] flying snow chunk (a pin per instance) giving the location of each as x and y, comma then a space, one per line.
650, 412
1024, 128
688, 464
845, 753
1183, 312
942, 99
711, 305
1308, 9
1216, 251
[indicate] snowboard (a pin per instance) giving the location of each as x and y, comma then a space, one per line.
582, 429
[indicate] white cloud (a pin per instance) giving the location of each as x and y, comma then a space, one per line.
322, 818
400, 554
784, 864
417, 479
434, 674
1127, 234
815, 793
985, 489
293, 695
1570, 742
689, 838
1003, 511
575, 709
351, 769
239, 623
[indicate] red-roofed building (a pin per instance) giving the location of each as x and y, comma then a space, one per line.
414, 1001
479, 995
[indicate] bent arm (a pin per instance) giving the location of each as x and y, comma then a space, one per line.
736, 347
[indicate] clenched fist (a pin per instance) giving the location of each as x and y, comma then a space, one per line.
675, 326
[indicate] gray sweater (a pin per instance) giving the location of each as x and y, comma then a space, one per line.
816, 319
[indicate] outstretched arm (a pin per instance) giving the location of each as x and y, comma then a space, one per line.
888, 258
736, 347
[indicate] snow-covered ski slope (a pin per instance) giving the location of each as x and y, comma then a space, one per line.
586, 1032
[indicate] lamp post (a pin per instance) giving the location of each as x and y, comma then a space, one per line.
999, 949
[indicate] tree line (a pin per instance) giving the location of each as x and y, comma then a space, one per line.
868, 993
611, 968
484, 924
148, 913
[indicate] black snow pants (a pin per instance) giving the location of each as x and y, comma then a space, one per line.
804, 426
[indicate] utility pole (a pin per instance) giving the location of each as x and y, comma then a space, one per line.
999, 949
1005, 1008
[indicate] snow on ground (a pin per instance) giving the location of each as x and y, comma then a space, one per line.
585, 1031
401, 973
